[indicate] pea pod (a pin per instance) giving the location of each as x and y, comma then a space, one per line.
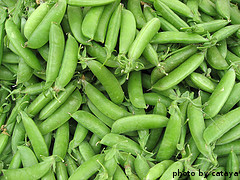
61, 171
86, 150
232, 165
27, 156
2, 33
170, 173
223, 8
180, 73
40, 35
208, 7
24, 72
193, 5
230, 136
89, 3
141, 166
17, 136
234, 14
166, 26
226, 149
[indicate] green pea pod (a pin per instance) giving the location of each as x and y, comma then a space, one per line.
107, 107
2, 34
15, 162
113, 30
141, 166
28, 157
208, 7
232, 165
17, 136
33, 89
148, 12
43, 51
122, 143
234, 14
97, 148
151, 54
104, 21
223, 8
119, 174
34, 172
62, 114
166, 26
35, 19
230, 136
193, 5
219, 97
226, 149
24, 72
71, 165
88, 168
139, 122
35, 136
17, 41
55, 55
169, 15
61, 171
215, 59
53, 105
86, 150
91, 20
10, 57
75, 18
6, 74
154, 98
171, 135
135, 7
40, 35
222, 48
69, 64
143, 38
89, 3
177, 37
179, 7
91, 123
127, 31
135, 90
180, 73
108, 80
197, 126
171, 173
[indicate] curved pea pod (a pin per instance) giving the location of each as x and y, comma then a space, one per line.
69, 64
171, 173
139, 122
107, 107
62, 114
202, 82
196, 126
5, 74
179, 7
98, 52
151, 55
143, 38
91, 123
33, 172
148, 12
221, 125
17, 41
122, 143
108, 80
89, 3
141, 166
171, 135
177, 37
234, 14
215, 59
53, 105
180, 73
18, 136
230, 136
28, 157
166, 26
88, 168
135, 7
24, 72
220, 94
226, 149
222, 48
91, 20
135, 90
154, 98
40, 35
75, 18
55, 55
43, 51
223, 8
35, 19
35, 136
158, 169
208, 7
233, 99
113, 30
169, 15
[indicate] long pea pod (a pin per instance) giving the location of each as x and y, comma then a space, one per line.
230, 136
89, 3
2, 34
17, 136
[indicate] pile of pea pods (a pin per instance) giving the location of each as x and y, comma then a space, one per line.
119, 89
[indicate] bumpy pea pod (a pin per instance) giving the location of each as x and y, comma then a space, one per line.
220, 94
180, 73
33, 172
55, 55
75, 18
17, 42
89, 3
197, 126
62, 114
35, 136
35, 19
169, 15
91, 20
69, 64
223, 8
108, 80
40, 35
135, 7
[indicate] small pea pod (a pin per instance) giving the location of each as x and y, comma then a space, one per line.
89, 3
154, 98
70, 164
141, 166
27, 156
69, 64
24, 72
193, 5
223, 8
220, 94
232, 165
234, 14
75, 18
208, 7
171, 173
151, 55
18, 136
230, 136
91, 20
62, 114
222, 48
35, 19
94, 142
61, 171
40, 35
17, 41
10, 57
135, 7
166, 26
226, 149
86, 150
